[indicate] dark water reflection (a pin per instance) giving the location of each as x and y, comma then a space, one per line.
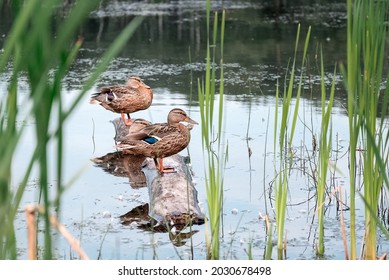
257, 45
168, 52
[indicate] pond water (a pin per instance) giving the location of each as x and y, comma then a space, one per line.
257, 47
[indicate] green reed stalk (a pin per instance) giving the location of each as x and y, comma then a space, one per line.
215, 157
352, 85
366, 34
45, 59
285, 141
373, 46
324, 153
269, 242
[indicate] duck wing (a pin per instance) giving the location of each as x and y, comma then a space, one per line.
113, 93
152, 133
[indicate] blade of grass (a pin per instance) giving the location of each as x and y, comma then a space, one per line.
215, 158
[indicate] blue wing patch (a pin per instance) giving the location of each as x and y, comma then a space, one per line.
151, 139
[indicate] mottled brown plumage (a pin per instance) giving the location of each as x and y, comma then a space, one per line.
122, 130
161, 139
125, 99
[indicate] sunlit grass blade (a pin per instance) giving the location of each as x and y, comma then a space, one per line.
285, 141
366, 34
269, 236
324, 152
17, 31
44, 57
215, 157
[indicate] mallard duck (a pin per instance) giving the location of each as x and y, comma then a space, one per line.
125, 99
160, 140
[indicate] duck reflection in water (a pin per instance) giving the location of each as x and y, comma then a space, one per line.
123, 165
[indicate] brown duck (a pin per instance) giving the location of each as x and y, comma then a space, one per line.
125, 99
160, 140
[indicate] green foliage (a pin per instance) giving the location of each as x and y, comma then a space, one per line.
215, 159
44, 56
324, 152
285, 140
367, 110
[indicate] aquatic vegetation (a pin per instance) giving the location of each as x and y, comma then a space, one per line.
325, 144
283, 139
45, 59
214, 158
367, 112
367, 116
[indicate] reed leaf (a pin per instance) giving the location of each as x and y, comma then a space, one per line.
366, 34
285, 141
215, 157
324, 152
45, 58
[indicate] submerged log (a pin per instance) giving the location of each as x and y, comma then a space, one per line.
173, 196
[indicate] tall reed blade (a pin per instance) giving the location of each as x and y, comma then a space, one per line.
44, 57
324, 152
285, 141
215, 157
366, 35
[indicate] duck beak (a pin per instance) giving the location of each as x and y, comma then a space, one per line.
189, 120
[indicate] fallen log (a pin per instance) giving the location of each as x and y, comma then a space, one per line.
173, 196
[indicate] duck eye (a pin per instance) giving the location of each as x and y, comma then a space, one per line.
110, 96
